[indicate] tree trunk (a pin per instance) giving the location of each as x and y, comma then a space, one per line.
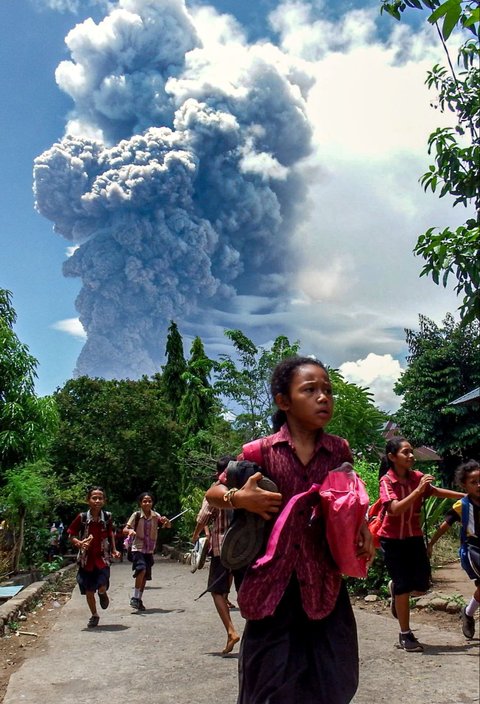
19, 541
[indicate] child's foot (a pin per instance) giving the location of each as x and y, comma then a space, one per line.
103, 599
230, 605
409, 643
93, 621
468, 624
135, 603
141, 605
231, 640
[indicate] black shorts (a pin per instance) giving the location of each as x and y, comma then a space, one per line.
222, 574
91, 580
407, 564
142, 562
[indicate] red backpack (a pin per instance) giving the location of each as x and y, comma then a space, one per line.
375, 516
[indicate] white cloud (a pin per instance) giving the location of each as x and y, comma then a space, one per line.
378, 373
72, 326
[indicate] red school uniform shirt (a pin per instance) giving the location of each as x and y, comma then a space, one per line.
407, 524
98, 553
304, 549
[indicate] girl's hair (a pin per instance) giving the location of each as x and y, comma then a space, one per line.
281, 381
462, 472
96, 488
392, 447
141, 496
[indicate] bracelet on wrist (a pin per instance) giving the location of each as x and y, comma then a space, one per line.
228, 496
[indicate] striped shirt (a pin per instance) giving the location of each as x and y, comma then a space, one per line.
303, 550
217, 521
394, 488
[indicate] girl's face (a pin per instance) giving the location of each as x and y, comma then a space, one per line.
472, 485
96, 500
403, 460
146, 504
310, 397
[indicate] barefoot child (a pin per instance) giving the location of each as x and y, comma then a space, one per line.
142, 528
467, 512
92, 534
403, 490
219, 578
300, 640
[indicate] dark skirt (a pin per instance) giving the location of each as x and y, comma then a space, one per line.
91, 580
407, 564
289, 659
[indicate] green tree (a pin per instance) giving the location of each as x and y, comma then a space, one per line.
355, 417
244, 379
198, 401
27, 423
173, 382
118, 434
443, 364
454, 252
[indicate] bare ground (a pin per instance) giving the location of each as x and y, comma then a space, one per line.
17, 646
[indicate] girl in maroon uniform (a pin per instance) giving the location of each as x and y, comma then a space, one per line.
300, 640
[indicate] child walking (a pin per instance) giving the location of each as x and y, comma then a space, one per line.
402, 491
142, 528
92, 534
467, 512
300, 640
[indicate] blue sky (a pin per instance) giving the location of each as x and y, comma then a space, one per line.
352, 117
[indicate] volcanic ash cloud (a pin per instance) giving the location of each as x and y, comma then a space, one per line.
177, 178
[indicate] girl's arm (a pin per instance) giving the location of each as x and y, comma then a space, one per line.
397, 507
446, 493
249, 497
441, 530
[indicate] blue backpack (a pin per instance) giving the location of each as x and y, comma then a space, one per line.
469, 554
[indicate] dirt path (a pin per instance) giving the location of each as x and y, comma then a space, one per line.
59, 617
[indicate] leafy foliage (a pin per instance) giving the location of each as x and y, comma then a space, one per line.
456, 151
246, 382
355, 416
174, 369
26, 421
443, 364
118, 434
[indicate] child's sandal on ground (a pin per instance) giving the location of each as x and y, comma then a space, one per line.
93, 621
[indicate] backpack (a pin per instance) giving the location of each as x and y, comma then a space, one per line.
128, 542
469, 554
82, 554
375, 516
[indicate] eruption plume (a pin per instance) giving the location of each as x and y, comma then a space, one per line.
177, 177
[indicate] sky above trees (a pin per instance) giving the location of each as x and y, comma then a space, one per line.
288, 142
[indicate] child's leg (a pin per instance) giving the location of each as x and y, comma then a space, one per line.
223, 610
92, 605
139, 584
402, 605
474, 603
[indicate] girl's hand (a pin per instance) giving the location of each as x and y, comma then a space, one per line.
132, 533
116, 554
425, 481
365, 546
165, 522
256, 500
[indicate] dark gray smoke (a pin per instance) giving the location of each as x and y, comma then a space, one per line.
184, 192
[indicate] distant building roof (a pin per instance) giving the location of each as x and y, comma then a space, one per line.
422, 453
466, 399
